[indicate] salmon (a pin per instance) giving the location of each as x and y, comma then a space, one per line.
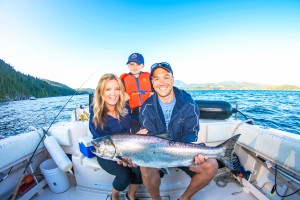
157, 152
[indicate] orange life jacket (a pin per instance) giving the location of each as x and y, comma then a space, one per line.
137, 88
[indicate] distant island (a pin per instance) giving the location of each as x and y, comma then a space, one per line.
232, 85
15, 85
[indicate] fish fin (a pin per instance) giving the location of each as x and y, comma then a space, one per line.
93, 151
202, 144
228, 145
123, 160
165, 170
162, 135
227, 163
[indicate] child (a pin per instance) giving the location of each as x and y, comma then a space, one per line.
137, 86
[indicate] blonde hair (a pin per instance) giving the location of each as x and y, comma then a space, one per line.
100, 109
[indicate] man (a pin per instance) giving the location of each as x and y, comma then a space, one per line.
173, 113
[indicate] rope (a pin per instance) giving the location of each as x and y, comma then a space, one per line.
274, 189
223, 180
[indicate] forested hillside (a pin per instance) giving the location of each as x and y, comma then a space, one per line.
15, 85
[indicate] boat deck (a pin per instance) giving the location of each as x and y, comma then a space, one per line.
233, 190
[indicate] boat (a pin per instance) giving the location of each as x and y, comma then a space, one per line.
266, 161
32, 98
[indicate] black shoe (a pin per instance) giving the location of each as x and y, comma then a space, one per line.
126, 197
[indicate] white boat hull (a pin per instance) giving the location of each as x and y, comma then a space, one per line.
254, 148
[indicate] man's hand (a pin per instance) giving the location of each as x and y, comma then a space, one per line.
199, 159
126, 162
142, 131
199, 164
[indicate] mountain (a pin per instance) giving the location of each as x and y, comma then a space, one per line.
15, 85
86, 90
56, 84
233, 85
179, 84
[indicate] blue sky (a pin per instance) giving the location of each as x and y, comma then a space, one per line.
204, 41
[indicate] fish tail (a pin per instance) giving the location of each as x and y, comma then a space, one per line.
228, 145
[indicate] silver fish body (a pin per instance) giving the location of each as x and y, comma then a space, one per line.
152, 151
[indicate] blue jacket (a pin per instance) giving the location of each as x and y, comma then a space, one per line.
112, 126
184, 123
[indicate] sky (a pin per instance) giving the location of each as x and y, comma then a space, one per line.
75, 42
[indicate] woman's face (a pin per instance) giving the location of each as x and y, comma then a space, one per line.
111, 93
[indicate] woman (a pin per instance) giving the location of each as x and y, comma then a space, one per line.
110, 116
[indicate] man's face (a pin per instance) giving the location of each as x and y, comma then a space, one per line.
163, 82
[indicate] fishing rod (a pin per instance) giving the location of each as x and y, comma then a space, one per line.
44, 134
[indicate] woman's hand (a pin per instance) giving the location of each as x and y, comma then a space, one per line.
127, 97
126, 162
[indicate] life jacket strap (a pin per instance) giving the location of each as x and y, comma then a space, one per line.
141, 92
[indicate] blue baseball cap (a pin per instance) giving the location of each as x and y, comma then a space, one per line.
137, 58
163, 65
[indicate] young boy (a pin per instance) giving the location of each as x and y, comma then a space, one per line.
137, 86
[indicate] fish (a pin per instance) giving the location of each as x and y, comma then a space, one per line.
157, 152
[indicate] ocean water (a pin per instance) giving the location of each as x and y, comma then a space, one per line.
271, 109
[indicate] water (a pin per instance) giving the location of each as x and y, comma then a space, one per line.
17, 116
272, 109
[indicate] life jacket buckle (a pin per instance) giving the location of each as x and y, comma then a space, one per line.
135, 110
